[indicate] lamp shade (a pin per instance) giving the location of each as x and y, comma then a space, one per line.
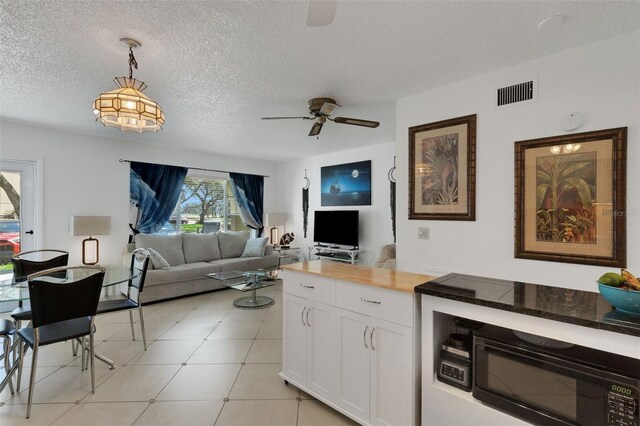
275, 219
90, 225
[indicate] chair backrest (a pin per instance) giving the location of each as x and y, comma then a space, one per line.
26, 263
139, 266
54, 299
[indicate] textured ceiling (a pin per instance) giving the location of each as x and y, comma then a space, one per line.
217, 67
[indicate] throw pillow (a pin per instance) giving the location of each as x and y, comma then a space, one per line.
157, 261
169, 246
255, 247
200, 247
232, 243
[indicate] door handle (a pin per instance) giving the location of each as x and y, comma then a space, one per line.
308, 323
371, 339
307, 286
370, 301
364, 337
302, 316
30, 232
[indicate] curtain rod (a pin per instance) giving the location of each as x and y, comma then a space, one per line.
190, 168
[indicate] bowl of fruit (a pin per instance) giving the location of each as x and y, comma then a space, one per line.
621, 290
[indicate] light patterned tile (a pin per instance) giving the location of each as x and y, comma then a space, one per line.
41, 414
217, 351
174, 413
261, 381
265, 351
168, 352
315, 413
102, 414
259, 413
270, 330
236, 330
200, 382
134, 383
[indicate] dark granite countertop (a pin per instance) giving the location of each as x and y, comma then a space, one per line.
578, 307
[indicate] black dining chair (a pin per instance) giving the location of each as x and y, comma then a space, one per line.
139, 265
7, 330
30, 262
61, 309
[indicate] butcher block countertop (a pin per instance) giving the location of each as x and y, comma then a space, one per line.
378, 277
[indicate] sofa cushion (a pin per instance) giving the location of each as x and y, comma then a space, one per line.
247, 263
169, 246
232, 243
181, 273
200, 247
255, 247
157, 261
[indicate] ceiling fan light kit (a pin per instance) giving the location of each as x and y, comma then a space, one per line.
127, 108
320, 110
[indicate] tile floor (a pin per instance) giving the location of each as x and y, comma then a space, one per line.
207, 364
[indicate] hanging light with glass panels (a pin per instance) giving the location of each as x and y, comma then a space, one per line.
126, 107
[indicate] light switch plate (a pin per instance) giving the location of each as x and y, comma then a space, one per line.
423, 233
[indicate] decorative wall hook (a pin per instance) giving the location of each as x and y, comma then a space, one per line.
392, 170
308, 181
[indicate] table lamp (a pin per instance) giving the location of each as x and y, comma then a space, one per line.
90, 225
274, 220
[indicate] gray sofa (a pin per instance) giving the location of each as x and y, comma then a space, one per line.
191, 256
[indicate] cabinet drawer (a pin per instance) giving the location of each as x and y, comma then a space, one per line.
389, 305
310, 286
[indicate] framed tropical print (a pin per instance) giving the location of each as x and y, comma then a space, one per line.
570, 198
442, 170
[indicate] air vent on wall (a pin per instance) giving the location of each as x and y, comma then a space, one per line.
515, 93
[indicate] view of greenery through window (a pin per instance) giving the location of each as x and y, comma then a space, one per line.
205, 205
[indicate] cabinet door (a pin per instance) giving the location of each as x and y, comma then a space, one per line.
322, 343
294, 338
353, 363
392, 383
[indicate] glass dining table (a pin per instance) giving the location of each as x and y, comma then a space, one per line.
17, 290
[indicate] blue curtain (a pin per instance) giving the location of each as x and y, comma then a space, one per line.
249, 193
155, 189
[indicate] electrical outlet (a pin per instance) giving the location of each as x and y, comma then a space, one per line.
423, 233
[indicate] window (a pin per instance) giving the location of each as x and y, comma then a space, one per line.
206, 204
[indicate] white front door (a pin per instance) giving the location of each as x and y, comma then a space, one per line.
18, 195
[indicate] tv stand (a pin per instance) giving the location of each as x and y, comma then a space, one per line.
335, 254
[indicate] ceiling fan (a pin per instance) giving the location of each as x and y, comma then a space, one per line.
320, 110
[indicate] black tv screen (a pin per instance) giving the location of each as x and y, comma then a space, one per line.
336, 227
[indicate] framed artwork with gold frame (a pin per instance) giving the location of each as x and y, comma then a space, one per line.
570, 198
442, 170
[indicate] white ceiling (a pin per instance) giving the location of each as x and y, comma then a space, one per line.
216, 67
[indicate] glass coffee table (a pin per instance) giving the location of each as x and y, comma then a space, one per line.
248, 281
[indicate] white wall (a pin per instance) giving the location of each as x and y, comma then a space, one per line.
600, 80
82, 176
375, 220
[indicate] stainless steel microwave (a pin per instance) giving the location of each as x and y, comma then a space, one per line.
553, 385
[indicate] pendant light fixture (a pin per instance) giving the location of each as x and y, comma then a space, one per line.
126, 107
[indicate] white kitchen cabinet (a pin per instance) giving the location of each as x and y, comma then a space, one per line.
353, 363
392, 374
357, 353
309, 347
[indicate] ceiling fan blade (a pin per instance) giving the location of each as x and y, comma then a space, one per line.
285, 118
356, 122
321, 12
328, 108
315, 129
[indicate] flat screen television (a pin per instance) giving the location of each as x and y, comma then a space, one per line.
336, 227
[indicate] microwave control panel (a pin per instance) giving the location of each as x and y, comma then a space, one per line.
622, 406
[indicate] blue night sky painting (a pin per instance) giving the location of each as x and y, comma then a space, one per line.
346, 184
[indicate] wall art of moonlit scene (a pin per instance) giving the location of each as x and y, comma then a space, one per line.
346, 184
